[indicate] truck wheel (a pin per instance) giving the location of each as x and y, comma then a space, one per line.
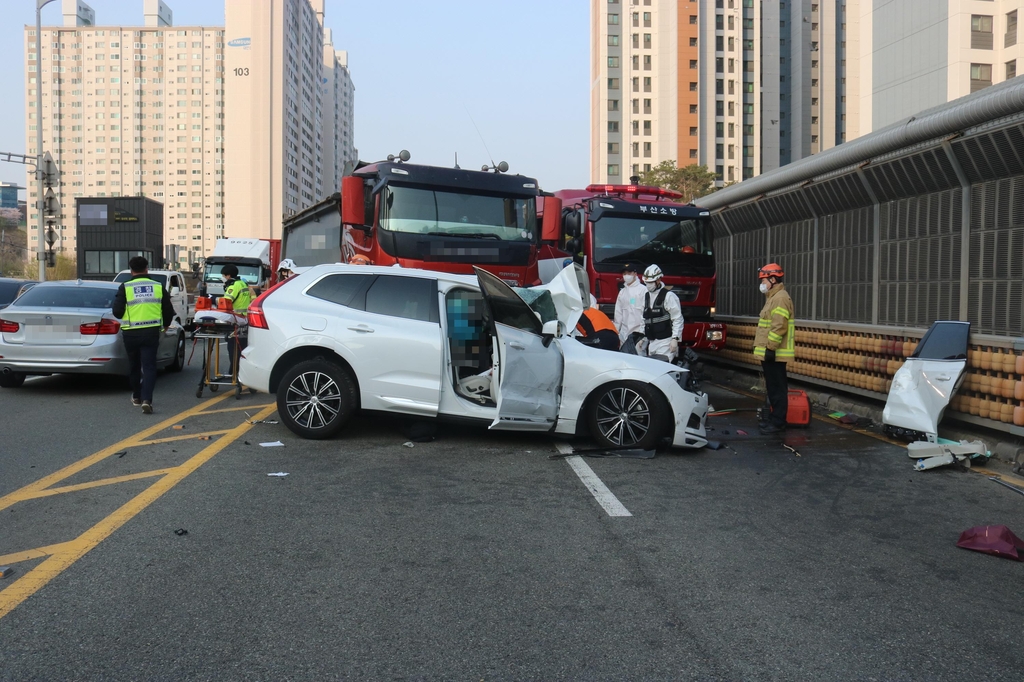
627, 414
316, 398
12, 380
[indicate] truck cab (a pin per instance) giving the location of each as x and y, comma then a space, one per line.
252, 257
174, 283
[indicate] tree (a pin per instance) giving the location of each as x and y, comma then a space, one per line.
690, 181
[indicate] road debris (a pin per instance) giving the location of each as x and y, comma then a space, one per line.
995, 540
121, 454
741, 432
1004, 483
249, 419
275, 444
204, 438
279, 474
178, 427
181, 531
714, 445
5, 571
792, 450
933, 455
409, 444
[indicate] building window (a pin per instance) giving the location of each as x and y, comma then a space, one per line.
647, 105
636, 84
693, 42
981, 76
613, 83
693, 18
719, 22
693, 131
647, 83
719, 151
636, 19
647, 150
748, 87
1010, 38
748, 23
719, 127
613, 19
613, 147
647, 127
732, 151
647, 41
981, 32
636, 150
613, 62
613, 105
1011, 69
613, 41
693, 108
719, 64
732, 173
647, 62
719, 86
693, 63
718, 172
693, 86
636, 106
613, 126
647, 19
719, 108
693, 153
748, 130
613, 170
636, 41
732, 88
748, 152
748, 108
719, 44
636, 127
732, 108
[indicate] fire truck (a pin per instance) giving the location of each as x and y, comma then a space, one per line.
447, 219
604, 227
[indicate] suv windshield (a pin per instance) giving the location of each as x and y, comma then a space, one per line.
474, 216
620, 239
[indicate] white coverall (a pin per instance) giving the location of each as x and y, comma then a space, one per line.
629, 309
663, 346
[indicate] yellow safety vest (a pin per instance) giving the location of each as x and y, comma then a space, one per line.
241, 297
144, 308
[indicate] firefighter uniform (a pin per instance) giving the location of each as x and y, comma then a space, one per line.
595, 329
774, 346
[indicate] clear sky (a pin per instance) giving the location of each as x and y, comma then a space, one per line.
424, 73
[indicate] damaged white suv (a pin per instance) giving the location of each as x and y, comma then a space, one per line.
340, 338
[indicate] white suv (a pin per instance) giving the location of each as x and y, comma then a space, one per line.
340, 338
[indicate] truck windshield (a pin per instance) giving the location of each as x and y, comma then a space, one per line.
620, 239
472, 216
250, 274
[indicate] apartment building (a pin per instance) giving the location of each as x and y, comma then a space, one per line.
131, 110
916, 54
339, 115
275, 102
644, 97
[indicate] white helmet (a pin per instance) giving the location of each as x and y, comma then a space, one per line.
286, 264
652, 273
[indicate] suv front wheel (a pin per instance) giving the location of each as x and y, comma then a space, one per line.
316, 398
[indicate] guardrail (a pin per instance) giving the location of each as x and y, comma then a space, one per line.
862, 359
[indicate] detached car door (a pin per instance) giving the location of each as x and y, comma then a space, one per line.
527, 366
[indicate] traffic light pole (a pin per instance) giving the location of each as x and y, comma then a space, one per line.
39, 138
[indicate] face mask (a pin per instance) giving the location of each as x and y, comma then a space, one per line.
629, 279
765, 287
652, 286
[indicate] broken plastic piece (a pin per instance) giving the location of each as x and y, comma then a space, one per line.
181, 531
279, 474
409, 444
178, 427
275, 444
5, 571
837, 415
714, 445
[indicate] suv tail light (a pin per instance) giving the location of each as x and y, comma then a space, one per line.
104, 326
257, 320
8, 327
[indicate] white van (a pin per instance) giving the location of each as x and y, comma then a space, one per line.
174, 282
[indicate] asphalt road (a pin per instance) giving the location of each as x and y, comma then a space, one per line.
477, 556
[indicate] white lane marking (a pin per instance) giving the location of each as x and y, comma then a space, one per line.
594, 484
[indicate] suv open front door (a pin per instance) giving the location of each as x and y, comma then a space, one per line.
527, 365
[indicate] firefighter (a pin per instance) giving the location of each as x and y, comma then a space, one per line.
663, 317
144, 307
236, 291
595, 329
629, 306
774, 344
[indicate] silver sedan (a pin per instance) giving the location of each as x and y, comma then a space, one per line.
68, 328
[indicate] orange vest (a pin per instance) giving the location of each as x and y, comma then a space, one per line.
593, 321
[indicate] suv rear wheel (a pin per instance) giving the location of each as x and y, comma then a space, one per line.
627, 414
316, 398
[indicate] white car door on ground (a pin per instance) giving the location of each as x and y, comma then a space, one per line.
528, 366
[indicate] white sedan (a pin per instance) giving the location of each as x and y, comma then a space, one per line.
340, 338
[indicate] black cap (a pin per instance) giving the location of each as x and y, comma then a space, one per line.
629, 267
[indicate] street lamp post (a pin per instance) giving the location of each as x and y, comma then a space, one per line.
39, 137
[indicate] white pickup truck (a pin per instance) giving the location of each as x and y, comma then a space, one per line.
174, 282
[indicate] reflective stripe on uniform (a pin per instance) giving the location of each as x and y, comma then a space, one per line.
143, 299
772, 336
781, 311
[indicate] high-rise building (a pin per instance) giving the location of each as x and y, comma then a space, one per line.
916, 54
643, 97
131, 110
275, 103
339, 115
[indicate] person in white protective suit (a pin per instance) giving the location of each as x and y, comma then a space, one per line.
629, 306
663, 317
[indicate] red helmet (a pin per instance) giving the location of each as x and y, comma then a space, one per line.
770, 270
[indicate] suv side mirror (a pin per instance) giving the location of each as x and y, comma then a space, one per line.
551, 330
550, 229
352, 207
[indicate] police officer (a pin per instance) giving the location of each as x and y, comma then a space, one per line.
144, 307
236, 291
774, 344
663, 316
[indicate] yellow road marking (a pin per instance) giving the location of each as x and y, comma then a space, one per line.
171, 439
238, 409
29, 554
28, 584
94, 484
1009, 478
85, 463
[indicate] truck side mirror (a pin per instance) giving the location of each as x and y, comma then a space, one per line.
551, 230
571, 223
352, 210
572, 246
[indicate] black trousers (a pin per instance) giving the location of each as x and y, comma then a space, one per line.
778, 391
605, 339
141, 346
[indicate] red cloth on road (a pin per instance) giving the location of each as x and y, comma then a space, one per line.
997, 540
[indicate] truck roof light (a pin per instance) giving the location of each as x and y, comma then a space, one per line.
659, 192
